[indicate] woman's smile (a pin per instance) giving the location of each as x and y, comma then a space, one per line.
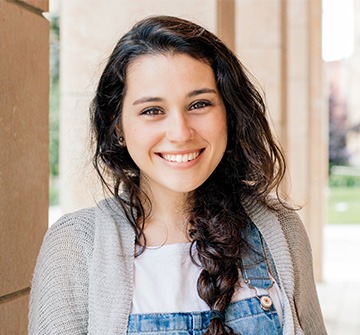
181, 157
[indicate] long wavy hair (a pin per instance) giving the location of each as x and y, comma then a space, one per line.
252, 165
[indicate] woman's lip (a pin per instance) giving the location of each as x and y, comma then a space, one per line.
181, 156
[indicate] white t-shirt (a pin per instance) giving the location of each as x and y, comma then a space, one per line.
165, 281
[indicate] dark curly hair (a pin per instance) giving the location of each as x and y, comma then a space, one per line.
252, 165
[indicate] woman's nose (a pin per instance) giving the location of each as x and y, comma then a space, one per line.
179, 128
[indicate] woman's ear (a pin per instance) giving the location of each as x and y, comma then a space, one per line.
121, 140
120, 136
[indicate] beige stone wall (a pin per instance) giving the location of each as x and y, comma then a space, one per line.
24, 154
279, 42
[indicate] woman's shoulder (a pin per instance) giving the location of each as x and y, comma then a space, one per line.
77, 225
288, 222
69, 238
294, 232
76, 231
76, 219
83, 223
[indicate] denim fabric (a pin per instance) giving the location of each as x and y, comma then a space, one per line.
255, 270
245, 317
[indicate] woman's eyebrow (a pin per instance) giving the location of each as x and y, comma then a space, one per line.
147, 99
201, 91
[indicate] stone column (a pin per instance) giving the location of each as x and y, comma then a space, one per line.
306, 134
24, 70
280, 42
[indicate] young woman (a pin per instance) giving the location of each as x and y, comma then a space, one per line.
191, 241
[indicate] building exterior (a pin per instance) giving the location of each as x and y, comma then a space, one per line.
278, 41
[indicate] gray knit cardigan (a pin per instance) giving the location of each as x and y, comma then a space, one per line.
83, 279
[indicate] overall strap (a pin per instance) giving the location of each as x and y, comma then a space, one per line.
254, 267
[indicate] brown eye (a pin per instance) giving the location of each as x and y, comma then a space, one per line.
151, 112
200, 104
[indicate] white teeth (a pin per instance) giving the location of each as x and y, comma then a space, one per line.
181, 158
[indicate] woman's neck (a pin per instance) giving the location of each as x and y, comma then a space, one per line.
167, 221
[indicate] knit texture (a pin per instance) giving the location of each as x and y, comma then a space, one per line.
83, 279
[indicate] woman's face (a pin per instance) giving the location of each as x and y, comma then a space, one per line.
173, 121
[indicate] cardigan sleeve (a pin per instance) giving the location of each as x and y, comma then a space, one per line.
58, 300
305, 296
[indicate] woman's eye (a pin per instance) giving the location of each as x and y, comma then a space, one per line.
200, 104
151, 112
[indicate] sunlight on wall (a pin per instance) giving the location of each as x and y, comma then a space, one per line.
338, 29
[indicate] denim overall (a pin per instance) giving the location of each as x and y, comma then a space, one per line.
253, 316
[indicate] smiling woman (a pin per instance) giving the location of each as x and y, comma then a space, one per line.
190, 241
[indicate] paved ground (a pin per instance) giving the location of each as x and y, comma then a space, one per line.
340, 292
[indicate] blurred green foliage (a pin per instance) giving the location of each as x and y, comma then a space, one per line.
344, 194
344, 205
344, 181
54, 106
344, 176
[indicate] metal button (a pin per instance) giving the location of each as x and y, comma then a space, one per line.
266, 302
